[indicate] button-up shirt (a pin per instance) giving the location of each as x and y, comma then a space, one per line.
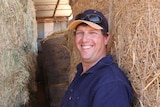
103, 85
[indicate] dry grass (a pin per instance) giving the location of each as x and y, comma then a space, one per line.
17, 51
136, 33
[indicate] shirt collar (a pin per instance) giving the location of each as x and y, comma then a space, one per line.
108, 60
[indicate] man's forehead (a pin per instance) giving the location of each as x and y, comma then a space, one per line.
86, 27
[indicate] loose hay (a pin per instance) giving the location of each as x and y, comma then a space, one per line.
17, 52
75, 59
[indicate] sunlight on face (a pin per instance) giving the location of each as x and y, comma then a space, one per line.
91, 43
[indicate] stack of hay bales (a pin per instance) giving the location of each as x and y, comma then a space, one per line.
135, 44
18, 51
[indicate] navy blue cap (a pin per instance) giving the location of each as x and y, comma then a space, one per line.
104, 23
91, 17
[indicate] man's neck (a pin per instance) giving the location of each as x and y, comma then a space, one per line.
87, 65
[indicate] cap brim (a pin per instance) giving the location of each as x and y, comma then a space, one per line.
74, 24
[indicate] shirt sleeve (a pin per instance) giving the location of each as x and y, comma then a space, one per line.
113, 94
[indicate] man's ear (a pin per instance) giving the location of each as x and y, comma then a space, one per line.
107, 38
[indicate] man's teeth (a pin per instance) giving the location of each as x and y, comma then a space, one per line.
86, 47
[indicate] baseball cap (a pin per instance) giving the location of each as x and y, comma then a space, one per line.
91, 17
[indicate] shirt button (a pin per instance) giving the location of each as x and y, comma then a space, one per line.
71, 90
77, 98
70, 98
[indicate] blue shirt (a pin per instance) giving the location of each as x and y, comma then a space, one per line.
103, 85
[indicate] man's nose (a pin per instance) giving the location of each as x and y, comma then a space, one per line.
85, 37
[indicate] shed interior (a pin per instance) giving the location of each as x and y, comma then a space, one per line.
52, 16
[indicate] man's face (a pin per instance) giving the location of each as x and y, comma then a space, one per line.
91, 43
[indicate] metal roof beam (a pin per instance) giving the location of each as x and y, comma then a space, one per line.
56, 7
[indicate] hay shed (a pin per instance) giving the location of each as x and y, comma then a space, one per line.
18, 51
135, 43
135, 46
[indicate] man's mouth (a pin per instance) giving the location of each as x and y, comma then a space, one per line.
86, 46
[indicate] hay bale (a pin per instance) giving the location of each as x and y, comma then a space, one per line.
18, 50
136, 33
81, 5
75, 58
56, 66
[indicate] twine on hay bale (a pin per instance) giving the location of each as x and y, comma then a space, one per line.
136, 33
17, 52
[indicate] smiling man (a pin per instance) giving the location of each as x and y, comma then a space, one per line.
98, 81
91, 44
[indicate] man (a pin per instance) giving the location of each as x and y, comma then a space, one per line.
98, 81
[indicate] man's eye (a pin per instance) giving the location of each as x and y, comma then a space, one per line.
79, 33
93, 33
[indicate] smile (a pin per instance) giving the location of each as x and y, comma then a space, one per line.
86, 46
